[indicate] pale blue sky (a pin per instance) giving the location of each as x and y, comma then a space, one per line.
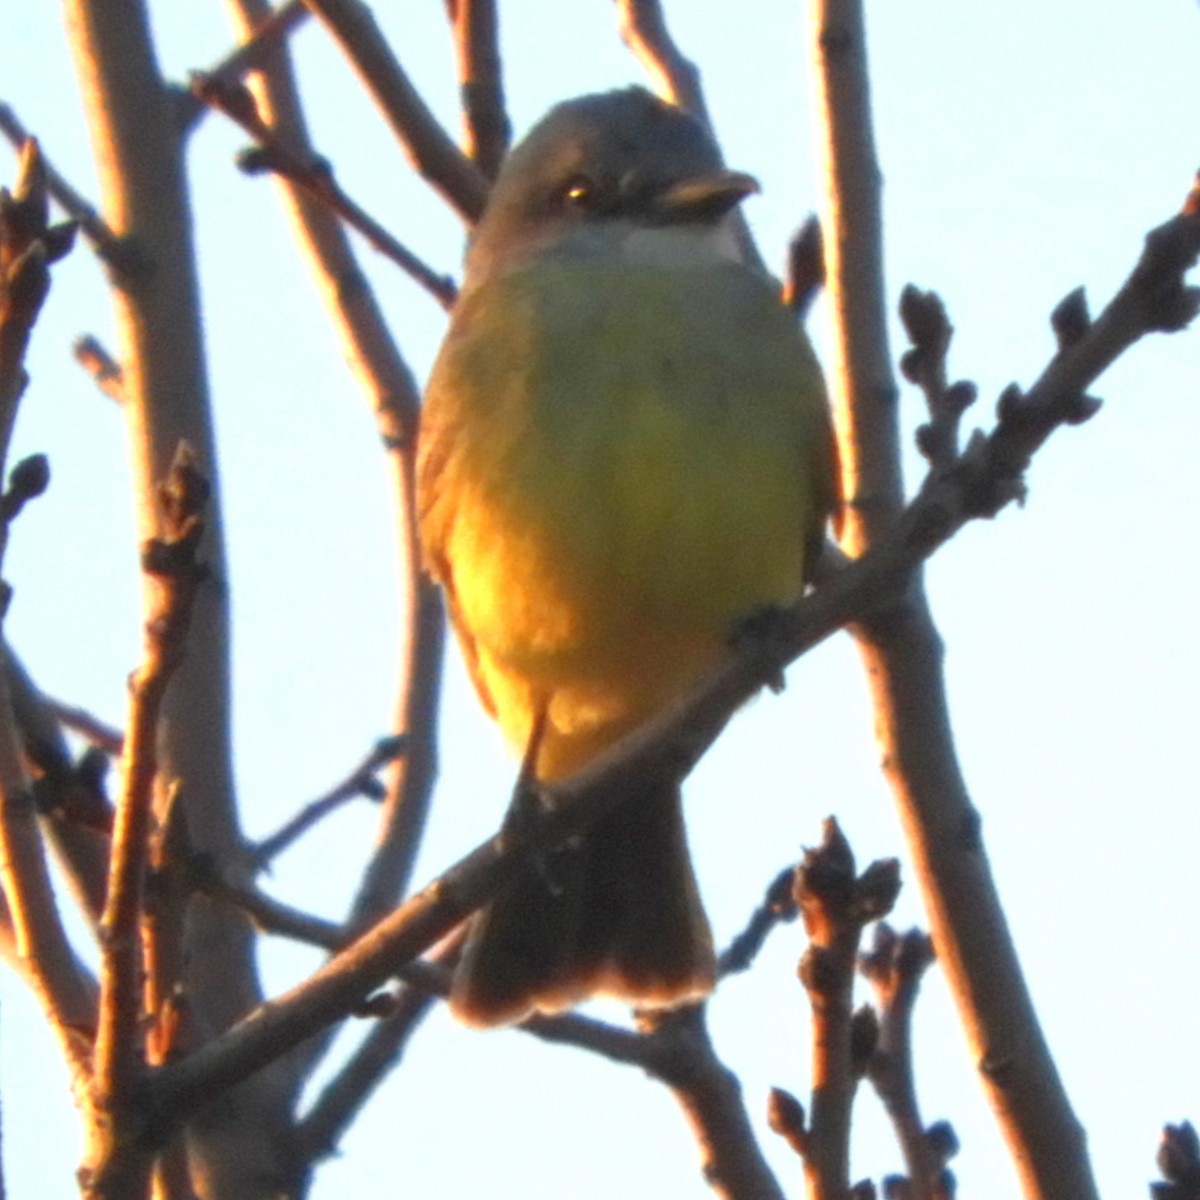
1026, 148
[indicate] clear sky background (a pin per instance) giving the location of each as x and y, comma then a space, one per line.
1026, 148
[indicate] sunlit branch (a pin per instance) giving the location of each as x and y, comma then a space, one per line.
486, 130
430, 148
253, 54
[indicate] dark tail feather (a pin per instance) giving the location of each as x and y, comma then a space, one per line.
617, 914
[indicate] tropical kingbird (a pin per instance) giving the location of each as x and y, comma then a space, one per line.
625, 453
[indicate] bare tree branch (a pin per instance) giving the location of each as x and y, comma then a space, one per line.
895, 965
777, 908
139, 148
120, 1058
899, 644
643, 28
254, 53
430, 149
486, 130
77, 816
362, 781
98, 234
836, 905
386, 380
102, 735
42, 951
315, 175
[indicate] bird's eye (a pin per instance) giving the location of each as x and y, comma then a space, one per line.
580, 192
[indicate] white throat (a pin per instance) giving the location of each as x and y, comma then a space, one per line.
694, 244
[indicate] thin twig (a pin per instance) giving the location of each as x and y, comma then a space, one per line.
315, 175
102, 735
252, 54
362, 781
924, 364
837, 904
103, 240
171, 560
710, 1095
486, 129
777, 908
76, 813
429, 147
895, 965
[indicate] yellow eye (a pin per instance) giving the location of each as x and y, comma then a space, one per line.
580, 192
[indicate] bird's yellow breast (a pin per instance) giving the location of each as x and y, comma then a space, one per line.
616, 467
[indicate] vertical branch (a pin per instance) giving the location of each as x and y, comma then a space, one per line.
116, 1157
137, 140
863, 387
486, 130
903, 655
387, 381
836, 905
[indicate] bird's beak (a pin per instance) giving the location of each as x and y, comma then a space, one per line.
704, 197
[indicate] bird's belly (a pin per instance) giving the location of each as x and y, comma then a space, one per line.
611, 568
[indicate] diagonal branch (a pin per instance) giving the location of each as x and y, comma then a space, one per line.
254, 53
315, 176
643, 28
430, 148
72, 202
362, 781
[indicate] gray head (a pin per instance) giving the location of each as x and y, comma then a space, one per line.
599, 164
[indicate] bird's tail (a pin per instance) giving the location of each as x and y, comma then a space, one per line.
615, 913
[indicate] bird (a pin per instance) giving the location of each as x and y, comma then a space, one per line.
624, 455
